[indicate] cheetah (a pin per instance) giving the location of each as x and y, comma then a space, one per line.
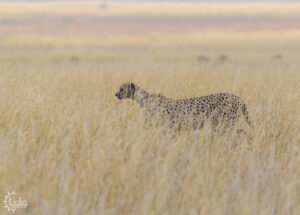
220, 108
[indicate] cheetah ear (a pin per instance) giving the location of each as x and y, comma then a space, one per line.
132, 87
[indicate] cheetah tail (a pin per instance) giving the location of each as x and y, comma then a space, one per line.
246, 115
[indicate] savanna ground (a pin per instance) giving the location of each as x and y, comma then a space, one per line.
68, 146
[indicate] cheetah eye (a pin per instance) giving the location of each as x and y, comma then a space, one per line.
121, 90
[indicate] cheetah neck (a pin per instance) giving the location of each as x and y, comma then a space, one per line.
143, 97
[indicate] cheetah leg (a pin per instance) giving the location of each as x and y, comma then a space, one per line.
246, 115
197, 125
147, 122
215, 122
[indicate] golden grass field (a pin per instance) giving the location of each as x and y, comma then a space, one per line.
68, 146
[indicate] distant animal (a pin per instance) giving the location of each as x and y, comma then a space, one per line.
103, 6
74, 59
220, 109
224, 59
277, 57
202, 59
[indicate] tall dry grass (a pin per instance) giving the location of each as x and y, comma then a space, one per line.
68, 146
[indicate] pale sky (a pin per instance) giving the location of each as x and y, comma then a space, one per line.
171, 0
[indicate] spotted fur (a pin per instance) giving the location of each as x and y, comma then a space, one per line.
220, 108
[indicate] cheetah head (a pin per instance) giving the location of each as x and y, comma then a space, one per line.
126, 91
